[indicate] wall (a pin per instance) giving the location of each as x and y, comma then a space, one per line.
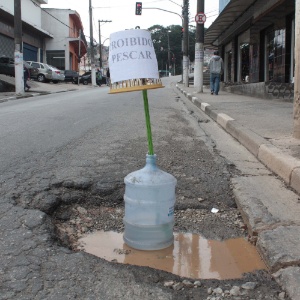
59, 31
32, 39
264, 90
31, 13
73, 59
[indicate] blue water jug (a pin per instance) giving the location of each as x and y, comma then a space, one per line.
149, 207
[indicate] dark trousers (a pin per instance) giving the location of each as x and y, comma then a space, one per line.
25, 80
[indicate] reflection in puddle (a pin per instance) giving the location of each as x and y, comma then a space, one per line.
191, 255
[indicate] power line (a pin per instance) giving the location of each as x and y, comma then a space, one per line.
43, 9
175, 3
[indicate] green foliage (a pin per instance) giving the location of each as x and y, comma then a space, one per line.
160, 41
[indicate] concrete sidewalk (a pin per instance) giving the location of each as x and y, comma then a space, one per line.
269, 209
264, 127
39, 88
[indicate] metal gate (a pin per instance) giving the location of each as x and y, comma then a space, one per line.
7, 46
30, 52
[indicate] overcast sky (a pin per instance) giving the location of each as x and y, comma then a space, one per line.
122, 14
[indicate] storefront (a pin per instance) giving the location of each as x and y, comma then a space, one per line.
228, 76
256, 39
33, 38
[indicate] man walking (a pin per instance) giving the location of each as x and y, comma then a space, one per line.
216, 70
107, 77
26, 77
98, 77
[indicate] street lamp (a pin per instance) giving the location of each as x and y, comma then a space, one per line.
100, 47
173, 60
168, 50
104, 55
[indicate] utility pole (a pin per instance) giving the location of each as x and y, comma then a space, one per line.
92, 45
296, 132
199, 51
185, 13
174, 71
169, 64
79, 55
100, 46
18, 54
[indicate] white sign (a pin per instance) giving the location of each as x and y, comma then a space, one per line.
200, 18
197, 55
18, 57
132, 56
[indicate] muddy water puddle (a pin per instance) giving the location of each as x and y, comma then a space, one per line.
190, 256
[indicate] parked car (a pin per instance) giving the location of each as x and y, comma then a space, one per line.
34, 72
7, 67
86, 78
45, 73
57, 75
71, 76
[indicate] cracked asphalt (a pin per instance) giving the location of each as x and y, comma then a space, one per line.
81, 148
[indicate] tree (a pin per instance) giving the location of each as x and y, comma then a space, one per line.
160, 41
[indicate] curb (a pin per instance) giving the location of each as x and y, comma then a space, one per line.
283, 165
34, 94
274, 238
22, 96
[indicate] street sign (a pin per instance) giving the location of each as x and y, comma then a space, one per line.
200, 18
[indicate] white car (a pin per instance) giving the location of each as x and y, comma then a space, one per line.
57, 75
45, 73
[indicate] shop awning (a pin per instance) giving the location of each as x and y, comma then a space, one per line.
233, 10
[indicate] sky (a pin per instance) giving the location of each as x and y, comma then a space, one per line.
122, 14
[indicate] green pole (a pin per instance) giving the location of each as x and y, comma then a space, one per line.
148, 124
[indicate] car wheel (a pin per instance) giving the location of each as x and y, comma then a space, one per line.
41, 78
85, 82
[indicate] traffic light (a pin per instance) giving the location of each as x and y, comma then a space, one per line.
138, 8
182, 30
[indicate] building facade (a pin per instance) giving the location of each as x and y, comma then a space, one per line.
256, 39
33, 34
68, 44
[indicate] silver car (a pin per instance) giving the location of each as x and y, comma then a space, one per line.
45, 73
57, 75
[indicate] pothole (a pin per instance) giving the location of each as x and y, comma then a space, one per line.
190, 256
74, 221
207, 245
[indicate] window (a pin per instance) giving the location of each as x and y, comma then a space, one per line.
56, 58
245, 62
35, 65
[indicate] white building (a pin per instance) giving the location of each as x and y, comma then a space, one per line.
67, 46
33, 33
45, 39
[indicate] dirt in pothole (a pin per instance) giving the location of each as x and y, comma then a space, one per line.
203, 184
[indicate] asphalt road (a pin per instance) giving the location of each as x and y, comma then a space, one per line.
37, 125
69, 148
